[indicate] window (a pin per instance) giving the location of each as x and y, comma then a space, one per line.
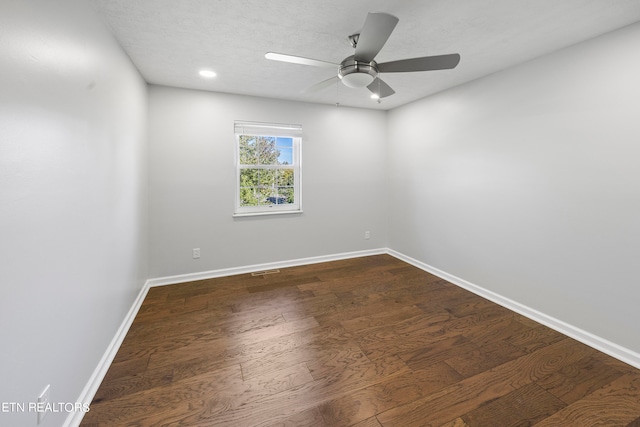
268, 168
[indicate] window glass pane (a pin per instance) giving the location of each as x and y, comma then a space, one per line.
249, 196
276, 199
267, 150
285, 177
248, 150
267, 177
265, 194
285, 195
285, 151
285, 156
249, 177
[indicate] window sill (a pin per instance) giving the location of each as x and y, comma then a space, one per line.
245, 214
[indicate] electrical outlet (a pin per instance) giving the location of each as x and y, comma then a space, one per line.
43, 402
196, 253
367, 234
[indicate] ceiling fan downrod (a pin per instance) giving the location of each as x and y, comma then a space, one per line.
353, 40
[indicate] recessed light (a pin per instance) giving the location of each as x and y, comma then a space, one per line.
207, 73
375, 96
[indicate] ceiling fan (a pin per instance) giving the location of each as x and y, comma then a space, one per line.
360, 69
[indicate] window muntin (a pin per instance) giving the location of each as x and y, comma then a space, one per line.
269, 169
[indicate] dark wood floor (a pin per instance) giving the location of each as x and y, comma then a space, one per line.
365, 342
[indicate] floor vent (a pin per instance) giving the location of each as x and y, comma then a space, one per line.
264, 273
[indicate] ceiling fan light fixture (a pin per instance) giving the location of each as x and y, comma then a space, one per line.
356, 74
357, 80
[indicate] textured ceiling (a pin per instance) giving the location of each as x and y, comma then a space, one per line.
169, 41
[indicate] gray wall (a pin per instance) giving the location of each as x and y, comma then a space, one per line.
192, 178
73, 207
527, 183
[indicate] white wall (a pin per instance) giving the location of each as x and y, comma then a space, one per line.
527, 183
73, 208
192, 176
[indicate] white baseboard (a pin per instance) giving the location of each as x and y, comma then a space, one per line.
190, 277
75, 418
612, 349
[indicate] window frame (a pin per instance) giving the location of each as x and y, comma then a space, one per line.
276, 130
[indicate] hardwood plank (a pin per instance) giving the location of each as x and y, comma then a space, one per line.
458, 422
274, 300
577, 381
614, 363
634, 423
125, 368
225, 390
159, 400
354, 311
422, 329
525, 406
469, 304
283, 282
437, 352
192, 327
369, 422
498, 333
535, 338
452, 326
384, 318
471, 393
315, 359
311, 340
398, 390
123, 386
477, 360
616, 404
314, 306
307, 418
210, 343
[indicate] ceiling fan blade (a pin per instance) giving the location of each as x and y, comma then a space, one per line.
377, 29
426, 63
300, 60
380, 88
322, 85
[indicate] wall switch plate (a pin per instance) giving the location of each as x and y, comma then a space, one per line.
367, 234
43, 401
196, 253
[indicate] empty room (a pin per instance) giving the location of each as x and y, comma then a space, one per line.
339, 213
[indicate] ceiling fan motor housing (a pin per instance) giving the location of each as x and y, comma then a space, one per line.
355, 74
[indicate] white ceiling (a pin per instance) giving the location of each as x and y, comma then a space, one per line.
169, 41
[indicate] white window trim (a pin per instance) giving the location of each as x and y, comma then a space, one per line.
277, 130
